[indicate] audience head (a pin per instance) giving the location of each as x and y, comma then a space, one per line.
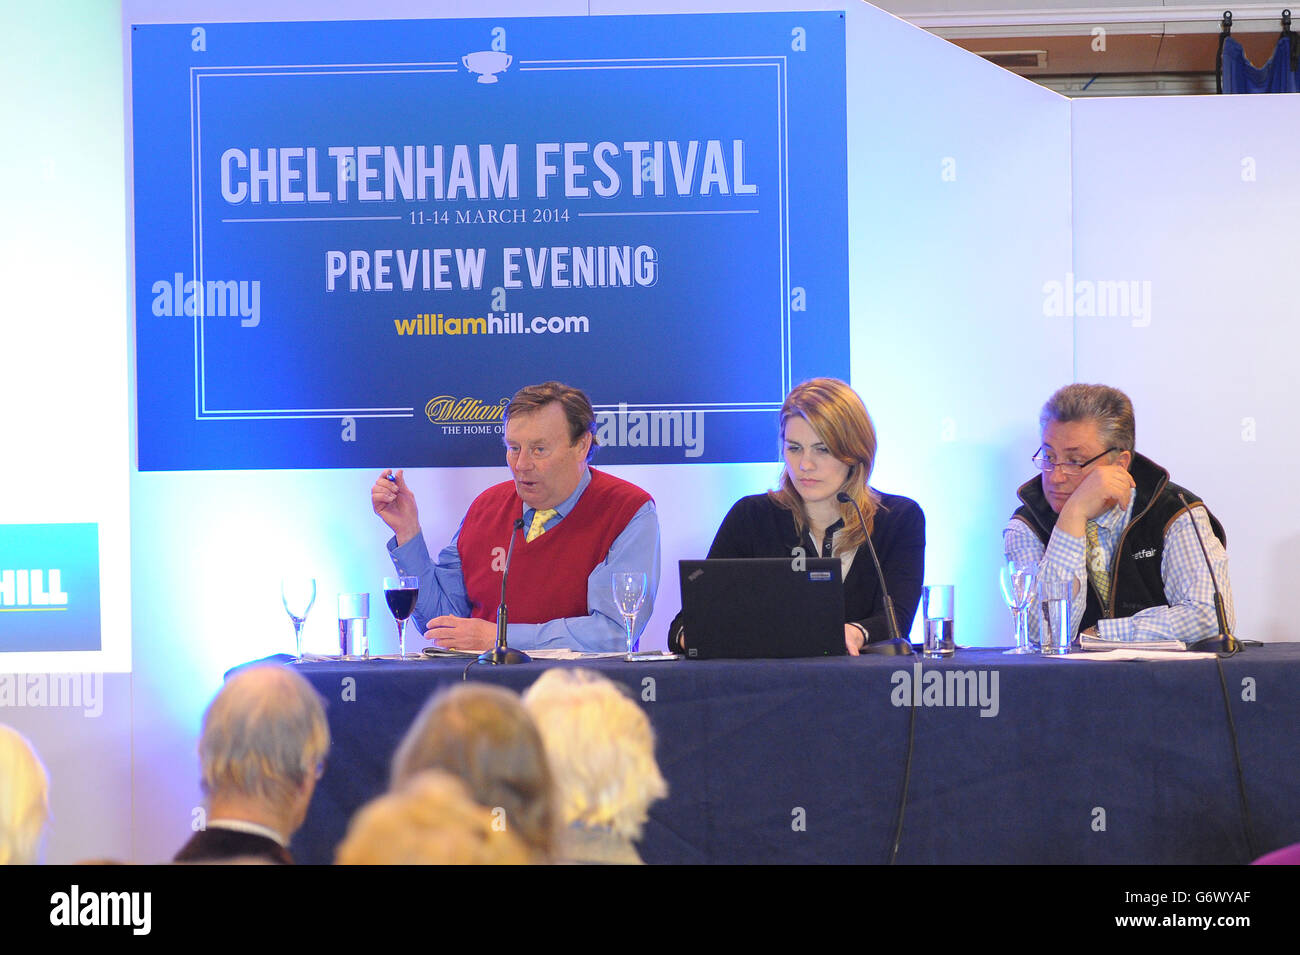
264, 742
601, 747
24, 799
483, 735
431, 820
825, 413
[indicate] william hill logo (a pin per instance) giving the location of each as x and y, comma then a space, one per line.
446, 409
32, 590
49, 589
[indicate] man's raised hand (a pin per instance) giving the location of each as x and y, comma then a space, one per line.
393, 501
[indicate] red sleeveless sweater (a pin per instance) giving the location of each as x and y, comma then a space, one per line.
548, 576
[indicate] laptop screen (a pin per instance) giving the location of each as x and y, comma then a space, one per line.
763, 607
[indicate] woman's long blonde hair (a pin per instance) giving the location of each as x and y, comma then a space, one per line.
839, 417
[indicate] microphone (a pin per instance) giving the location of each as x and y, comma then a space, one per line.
1225, 642
895, 645
502, 653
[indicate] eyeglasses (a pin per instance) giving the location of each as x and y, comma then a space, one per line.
1070, 469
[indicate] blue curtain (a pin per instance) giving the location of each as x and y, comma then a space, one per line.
1278, 75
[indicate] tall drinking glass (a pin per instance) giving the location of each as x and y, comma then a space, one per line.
1056, 598
629, 594
937, 602
354, 621
401, 593
1019, 585
298, 594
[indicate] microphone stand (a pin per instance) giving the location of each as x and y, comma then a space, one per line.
895, 645
502, 653
1224, 642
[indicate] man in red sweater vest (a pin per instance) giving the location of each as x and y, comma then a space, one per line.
579, 526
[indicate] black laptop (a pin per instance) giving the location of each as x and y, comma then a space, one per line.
763, 607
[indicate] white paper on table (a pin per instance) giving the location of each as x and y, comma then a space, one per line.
1128, 653
1166, 645
566, 654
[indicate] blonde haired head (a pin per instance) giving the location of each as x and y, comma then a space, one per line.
836, 412
601, 747
483, 735
24, 799
431, 820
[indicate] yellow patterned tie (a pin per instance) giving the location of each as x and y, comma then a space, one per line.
535, 530
1097, 571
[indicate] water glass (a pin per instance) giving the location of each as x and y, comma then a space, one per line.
939, 602
297, 594
1056, 599
629, 593
1019, 586
354, 614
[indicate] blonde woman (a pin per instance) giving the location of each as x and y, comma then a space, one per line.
829, 446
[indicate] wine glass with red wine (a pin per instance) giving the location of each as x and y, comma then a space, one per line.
401, 593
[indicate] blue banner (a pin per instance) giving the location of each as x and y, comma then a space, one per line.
354, 241
49, 587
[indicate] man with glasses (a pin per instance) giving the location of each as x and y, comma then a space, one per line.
1110, 520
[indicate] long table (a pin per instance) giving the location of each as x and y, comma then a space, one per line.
1014, 759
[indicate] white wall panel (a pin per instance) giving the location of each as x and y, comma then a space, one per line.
1197, 196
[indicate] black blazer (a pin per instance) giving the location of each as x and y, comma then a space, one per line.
217, 845
756, 526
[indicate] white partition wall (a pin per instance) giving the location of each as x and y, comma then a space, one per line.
969, 190
1194, 200
958, 199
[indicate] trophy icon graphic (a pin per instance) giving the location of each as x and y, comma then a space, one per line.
487, 64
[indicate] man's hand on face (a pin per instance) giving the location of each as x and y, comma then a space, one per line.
1101, 489
462, 633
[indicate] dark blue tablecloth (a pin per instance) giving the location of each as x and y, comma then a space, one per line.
803, 760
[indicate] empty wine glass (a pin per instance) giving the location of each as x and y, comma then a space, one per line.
401, 594
1019, 584
629, 594
298, 594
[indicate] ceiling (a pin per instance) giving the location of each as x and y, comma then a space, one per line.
1103, 49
